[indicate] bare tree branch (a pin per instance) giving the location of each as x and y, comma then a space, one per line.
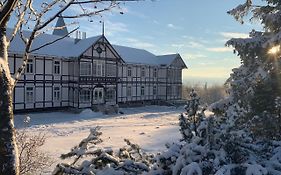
6, 11
20, 19
52, 42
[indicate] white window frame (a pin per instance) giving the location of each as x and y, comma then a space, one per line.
142, 90
154, 90
29, 94
110, 94
57, 63
85, 97
129, 71
99, 73
129, 91
57, 94
143, 72
155, 72
85, 72
30, 66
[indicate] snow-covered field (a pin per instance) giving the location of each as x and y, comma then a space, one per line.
150, 127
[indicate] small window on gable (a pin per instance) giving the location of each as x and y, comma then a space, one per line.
29, 66
56, 67
129, 72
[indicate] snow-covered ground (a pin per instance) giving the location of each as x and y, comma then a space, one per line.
150, 127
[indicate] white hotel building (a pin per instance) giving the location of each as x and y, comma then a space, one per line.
81, 73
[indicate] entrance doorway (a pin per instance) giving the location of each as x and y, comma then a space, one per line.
98, 95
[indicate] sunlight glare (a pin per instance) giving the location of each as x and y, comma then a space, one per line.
274, 50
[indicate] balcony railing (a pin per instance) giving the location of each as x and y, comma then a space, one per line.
88, 79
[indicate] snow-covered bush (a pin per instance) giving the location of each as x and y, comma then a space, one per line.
90, 159
32, 160
220, 145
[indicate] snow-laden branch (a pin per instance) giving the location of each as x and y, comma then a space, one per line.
20, 19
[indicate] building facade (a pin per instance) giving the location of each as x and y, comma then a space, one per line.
81, 73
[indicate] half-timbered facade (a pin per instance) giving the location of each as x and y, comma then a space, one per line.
81, 73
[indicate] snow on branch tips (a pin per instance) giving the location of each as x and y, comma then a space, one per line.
127, 160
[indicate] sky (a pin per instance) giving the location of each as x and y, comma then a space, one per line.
196, 29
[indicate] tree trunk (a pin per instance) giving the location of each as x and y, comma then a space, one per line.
9, 163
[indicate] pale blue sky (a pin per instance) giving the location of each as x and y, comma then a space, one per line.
197, 29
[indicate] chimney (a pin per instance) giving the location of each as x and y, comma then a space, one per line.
84, 35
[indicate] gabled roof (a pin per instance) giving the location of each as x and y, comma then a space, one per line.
134, 55
167, 60
71, 48
140, 56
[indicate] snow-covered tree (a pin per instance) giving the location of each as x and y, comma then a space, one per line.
219, 148
37, 16
130, 159
255, 84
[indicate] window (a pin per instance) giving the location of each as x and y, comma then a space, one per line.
154, 90
85, 96
57, 94
169, 90
129, 71
178, 93
57, 67
142, 90
143, 72
29, 95
129, 91
168, 73
111, 70
155, 72
110, 94
99, 68
29, 66
85, 68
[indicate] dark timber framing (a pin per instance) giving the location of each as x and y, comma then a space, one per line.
113, 75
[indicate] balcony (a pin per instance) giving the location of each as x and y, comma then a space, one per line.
90, 80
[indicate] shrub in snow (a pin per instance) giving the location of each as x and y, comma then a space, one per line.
220, 145
32, 160
127, 160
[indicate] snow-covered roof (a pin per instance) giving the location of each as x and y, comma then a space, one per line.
134, 55
61, 28
141, 56
65, 48
166, 59
69, 48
